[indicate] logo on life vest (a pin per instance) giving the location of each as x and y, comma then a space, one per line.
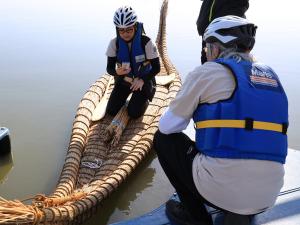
140, 58
263, 77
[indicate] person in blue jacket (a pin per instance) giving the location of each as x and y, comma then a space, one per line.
240, 114
133, 60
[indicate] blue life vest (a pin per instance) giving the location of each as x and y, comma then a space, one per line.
140, 66
252, 123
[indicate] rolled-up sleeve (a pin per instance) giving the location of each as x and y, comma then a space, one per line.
170, 123
111, 50
208, 83
188, 98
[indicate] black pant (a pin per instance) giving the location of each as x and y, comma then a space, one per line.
176, 153
137, 104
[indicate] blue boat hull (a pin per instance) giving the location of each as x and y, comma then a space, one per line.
285, 212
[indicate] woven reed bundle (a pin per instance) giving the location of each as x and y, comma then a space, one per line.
92, 170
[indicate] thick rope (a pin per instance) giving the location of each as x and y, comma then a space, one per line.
15, 212
42, 201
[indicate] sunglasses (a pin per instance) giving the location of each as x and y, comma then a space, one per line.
126, 30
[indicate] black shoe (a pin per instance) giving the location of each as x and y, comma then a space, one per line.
237, 219
178, 215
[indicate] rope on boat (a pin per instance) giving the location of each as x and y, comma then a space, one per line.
41, 201
16, 212
93, 165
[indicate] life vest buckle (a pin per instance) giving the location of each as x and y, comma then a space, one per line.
249, 123
284, 127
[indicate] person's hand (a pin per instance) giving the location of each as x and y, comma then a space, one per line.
121, 71
137, 84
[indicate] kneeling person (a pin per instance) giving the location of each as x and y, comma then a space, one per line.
240, 111
133, 60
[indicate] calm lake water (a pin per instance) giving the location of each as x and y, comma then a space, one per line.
52, 51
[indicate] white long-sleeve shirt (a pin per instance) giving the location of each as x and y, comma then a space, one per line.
243, 186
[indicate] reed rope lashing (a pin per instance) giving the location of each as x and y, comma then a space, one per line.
42, 201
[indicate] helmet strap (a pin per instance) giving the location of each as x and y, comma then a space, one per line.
213, 51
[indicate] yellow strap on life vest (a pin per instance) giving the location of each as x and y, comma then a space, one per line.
238, 124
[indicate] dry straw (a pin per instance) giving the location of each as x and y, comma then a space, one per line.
15, 212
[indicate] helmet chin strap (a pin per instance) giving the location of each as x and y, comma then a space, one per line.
210, 53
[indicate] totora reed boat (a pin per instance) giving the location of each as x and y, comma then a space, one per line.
93, 168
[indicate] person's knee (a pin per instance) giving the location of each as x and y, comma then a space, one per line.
112, 111
159, 141
156, 139
134, 114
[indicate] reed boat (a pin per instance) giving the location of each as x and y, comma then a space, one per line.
93, 169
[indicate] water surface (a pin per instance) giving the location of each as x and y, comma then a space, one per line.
52, 51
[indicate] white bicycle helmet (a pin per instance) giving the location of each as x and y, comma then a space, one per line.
125, 17
231, 31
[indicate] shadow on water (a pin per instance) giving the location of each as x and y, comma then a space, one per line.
127, 193
6, 164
